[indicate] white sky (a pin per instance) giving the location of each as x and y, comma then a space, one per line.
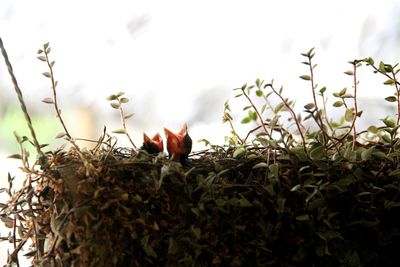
179, 59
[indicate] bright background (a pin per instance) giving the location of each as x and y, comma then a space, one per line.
178, 61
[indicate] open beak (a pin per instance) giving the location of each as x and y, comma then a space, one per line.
153, 145
179, 144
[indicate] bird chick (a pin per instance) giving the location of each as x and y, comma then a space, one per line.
154, 145
179, 145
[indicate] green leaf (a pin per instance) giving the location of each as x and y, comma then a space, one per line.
239, 151
243, 202
305, 77
391, 99
322, 90
295, 188
48, 100
303, 218
279, 107
274, 169
112, 97
389, 123
382, 67
343, 91
259, 93
388, 82
196, 231
349, 72
115, 105
373, 129
124, 100
246, 120
60, 135
172, 246
348, 115
15, 156
128, 115
42, 58
144, 242
119, 131
220, 202
47, 74
252, 115
338, 103
366, 154
260, 165
309, 106
394, 172
316, 152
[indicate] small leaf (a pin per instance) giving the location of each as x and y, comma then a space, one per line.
338, 104
389, 123
124, 100
119, 131
42, 58
394, 172
349, 72
15, 156
373, 129
366, 154
343, 91
316, 152
279, 107
388, 82
305, 77
47, 74
322, 90
303, 218
239, 151
260, 165
115, 105
391, 99
60, 135
382, 67
46, 45
259, 93
246, 120
48, 100
348, 115
220, 202
309, 106
111, 97
295, 188
128, 115
243, 202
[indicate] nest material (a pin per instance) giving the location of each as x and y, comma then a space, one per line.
145, 210
264, 208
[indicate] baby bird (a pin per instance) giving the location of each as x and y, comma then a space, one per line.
154, 145
179, 145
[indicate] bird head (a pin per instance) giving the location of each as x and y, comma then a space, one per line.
153, 145
179, 144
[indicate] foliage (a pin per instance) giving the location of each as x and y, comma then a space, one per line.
286, 194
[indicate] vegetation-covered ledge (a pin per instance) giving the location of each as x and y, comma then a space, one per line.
287, 194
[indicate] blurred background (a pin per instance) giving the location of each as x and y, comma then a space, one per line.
178, 61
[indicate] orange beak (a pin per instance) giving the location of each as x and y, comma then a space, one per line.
179, 145
154, 145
